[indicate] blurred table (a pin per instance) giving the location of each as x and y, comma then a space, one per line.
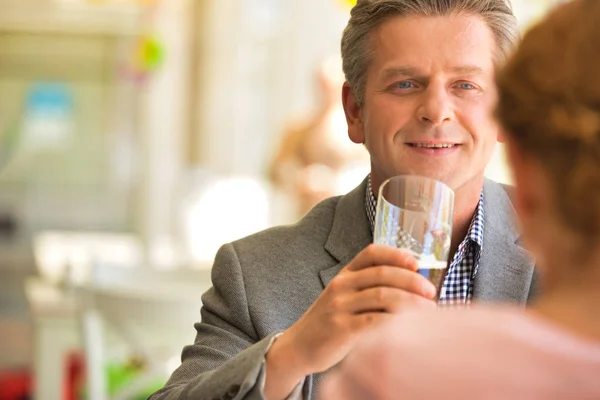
152, 311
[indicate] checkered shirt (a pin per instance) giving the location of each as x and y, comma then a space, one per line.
458, 285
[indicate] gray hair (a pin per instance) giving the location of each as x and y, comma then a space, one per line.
367, 15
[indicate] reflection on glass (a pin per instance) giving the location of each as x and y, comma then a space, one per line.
415, 214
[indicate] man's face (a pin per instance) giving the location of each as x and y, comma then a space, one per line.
428, 99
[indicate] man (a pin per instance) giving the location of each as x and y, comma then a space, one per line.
419, 93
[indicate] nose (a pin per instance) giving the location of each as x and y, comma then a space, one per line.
435, 107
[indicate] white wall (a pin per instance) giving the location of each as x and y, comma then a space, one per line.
258, 71
164, 130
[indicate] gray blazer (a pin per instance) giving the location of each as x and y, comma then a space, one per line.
262, 284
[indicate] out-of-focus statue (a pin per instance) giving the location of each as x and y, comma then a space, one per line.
315, 158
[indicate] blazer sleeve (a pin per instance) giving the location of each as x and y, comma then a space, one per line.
227, 358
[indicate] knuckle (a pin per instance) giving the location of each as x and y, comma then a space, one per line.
381, 274
337, 321
379, 295
336, 303
370, 250
337, 283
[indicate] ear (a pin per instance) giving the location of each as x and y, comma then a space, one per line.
353, 115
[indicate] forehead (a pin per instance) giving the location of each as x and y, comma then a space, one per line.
432, 44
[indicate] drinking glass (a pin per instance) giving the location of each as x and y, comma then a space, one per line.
414, 214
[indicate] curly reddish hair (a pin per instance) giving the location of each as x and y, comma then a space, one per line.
549, 104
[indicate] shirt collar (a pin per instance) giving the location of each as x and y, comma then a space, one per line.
370, 203
475, 233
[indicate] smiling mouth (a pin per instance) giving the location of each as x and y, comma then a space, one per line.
433, 146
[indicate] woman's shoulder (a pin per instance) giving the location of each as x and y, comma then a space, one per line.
489, 339
485, 351
483, 326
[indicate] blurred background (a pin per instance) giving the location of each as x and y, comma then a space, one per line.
136, 137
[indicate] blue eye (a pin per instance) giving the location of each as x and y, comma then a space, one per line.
466, 86
404, 85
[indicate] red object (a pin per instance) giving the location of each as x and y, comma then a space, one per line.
16, 385
75, 376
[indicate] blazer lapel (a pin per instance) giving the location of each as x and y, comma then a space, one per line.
350, 231
506, 269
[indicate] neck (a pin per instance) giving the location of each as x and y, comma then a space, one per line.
573, 299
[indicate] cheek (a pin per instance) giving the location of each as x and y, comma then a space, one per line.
387, 117
478, 120
485, 114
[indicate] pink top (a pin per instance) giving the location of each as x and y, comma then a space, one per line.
481, 353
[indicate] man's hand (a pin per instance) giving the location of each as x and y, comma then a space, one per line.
378, 282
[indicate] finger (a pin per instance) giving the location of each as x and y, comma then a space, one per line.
385, 300
394, 277
374, 255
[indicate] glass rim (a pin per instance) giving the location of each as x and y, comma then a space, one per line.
405, 176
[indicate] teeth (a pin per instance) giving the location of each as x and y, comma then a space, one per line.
433, 146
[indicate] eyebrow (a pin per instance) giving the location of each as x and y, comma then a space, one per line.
411, 72
468, 70
398, 71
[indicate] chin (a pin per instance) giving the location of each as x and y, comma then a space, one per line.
440, 176
432, 169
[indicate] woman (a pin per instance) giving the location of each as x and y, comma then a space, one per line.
549, 107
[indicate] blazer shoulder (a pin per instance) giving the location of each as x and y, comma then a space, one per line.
494, 188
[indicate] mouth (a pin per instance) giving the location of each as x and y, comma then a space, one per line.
433, 145
434, 148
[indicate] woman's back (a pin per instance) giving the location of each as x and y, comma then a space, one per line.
480, 353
